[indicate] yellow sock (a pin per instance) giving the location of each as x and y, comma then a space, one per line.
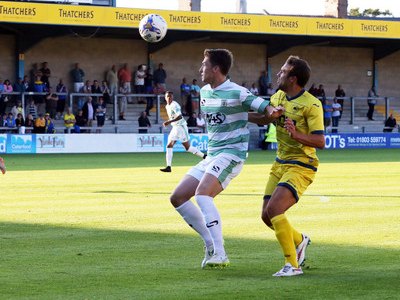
284, 234
297, 237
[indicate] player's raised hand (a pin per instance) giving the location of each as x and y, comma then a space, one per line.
289, 126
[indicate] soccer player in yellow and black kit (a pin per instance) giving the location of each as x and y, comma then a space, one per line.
299, 132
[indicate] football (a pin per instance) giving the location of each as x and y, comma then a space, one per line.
153, 28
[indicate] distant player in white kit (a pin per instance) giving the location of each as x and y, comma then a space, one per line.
179, 131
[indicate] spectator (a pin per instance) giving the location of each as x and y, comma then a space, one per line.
62, 89
336, 110
192, 122
40, 124
20, 123
31, 109
158, 89
123, 101
17, 109
39, 87
77, 75
143, 122
270, 90
3, 99
327, 107
340, 94
140, 75
105, 90
89, 111
69, 120
195, 95
313, 90
125, 78
19, 87
254, 89
160, 75
49, 125
185, 97
81, 121
100, 113
95, 89
34, 73
201, 123
86, 89
29, 122
390, 124
45, 73
372, 95
4, 120
321, 93
10, 121
26, 83
8, 86
51, 103
263, 83
112, 80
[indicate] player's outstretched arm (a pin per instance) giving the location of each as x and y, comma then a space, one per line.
271, 114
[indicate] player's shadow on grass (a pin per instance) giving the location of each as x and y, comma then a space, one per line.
252, 194
48, 262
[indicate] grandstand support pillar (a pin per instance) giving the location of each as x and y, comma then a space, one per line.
352, 111
20, 65
115, 109
387, 108
158, 109
71, 101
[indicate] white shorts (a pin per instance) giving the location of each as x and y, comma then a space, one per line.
179, 133
223, 166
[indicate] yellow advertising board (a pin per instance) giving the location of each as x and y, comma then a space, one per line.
86, 15
284, 25
235, 22
329, 27
376, 29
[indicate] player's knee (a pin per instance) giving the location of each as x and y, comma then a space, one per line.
176, 200
265, 218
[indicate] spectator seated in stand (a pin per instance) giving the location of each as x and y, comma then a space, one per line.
390, 124
69, 121
39, 125
192, 123
143, 122
49, 125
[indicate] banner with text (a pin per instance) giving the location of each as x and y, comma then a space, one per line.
87, 15
362, 140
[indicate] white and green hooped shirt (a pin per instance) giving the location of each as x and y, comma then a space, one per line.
226, 112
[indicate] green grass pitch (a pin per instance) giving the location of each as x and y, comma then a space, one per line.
100, 226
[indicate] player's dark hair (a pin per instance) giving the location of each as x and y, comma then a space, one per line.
169, 92
223, 58
300, 69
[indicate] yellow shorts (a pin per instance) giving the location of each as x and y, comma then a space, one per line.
294, 177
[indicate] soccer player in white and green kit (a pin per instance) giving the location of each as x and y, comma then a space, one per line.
179, 131
225, 105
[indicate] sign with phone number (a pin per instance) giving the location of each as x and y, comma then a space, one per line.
362, 140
